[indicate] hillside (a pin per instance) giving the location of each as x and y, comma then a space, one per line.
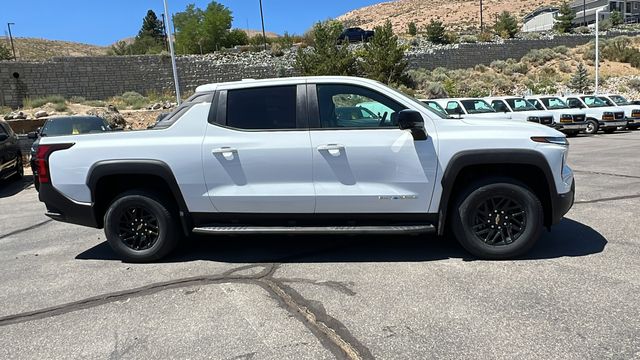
460, 15
42, 49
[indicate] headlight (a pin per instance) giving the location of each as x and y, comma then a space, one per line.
561, 140
608, 116
635, 113
533, 119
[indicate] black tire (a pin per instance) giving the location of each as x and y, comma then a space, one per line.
609, 131
572, 133
154, 232
19, 170
592, 127
519, 235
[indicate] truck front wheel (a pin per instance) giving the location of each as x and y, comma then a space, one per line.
139, 227
497, 219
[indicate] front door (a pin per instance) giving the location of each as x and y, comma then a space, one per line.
257, 155
362, 162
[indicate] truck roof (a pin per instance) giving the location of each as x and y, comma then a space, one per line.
286, 81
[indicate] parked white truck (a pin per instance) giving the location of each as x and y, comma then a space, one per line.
600, 116
272, 156
631, 111
470, 108
567, 120
518, 108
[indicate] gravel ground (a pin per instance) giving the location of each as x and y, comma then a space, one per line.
64, 295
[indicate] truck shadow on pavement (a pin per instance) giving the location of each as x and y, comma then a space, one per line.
568, 239
10, 188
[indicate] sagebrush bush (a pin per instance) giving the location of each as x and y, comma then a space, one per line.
77, 99
468, 39
95, 103
39, 102
634, 84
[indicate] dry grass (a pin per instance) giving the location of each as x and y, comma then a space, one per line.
42, 49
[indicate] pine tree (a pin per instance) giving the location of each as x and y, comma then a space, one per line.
152, 26
616, 18
580, 81
506, 25
412, 29
383, 58
564, 21
326, 57
436, 33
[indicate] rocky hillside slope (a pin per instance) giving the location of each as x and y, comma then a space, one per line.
42, 49
460, 15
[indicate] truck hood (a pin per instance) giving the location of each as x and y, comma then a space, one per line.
499, 125
494, 116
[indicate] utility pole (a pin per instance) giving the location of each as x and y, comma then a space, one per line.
597, 49
584, 12
13, 48
173, 54
264, 35
481, 18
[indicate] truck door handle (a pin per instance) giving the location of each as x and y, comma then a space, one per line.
330, 147
224, 150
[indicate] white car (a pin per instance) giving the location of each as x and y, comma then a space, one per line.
470, 108
567, 120
631, 111
600, 116
517, 108
434, 106
272, 157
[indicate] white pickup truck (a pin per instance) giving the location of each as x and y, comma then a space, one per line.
600, 116
273, 156
567, 120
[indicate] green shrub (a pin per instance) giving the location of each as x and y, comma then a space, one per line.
561, 49
436, 90
582, 30
485, 37
436, 32
412, 29
634, 84
39, 102
540, 56
77, 99
506, 25
517, 68
499, 65
95, 103
60, 107
468, 39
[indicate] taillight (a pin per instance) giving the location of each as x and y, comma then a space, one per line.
42, 159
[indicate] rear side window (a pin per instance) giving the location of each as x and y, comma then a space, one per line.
262, 108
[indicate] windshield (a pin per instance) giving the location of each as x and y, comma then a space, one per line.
476, 106
620, 100
553, 103
592, 101
435, 107
73, 126
518, 104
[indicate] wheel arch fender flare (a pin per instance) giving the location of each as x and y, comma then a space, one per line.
489, 157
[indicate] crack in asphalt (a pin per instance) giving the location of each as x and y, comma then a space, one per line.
624, 197
331, 333
606, 174
15, 232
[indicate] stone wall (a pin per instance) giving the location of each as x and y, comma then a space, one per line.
103, 77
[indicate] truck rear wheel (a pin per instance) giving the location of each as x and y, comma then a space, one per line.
139, 227
592, 127
497, 219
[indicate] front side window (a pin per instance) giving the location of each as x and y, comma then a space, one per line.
499, 106
435, 107
574, 103
537, 103
477, 106
520, 104
606, 101
348, 106
593, 101
272, 108
554, 103
454, 108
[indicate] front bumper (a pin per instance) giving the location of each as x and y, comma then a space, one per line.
612, 124
562, 203
570, 127
61, 208
633, 123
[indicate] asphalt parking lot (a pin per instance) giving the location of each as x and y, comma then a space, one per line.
576, 296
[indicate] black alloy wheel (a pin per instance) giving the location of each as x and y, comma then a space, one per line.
139, 228
499, 221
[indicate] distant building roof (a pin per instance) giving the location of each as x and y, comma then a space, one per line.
540, 10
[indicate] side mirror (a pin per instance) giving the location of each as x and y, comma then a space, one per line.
3, 137
412, 120
32, 135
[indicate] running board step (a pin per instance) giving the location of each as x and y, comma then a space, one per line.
394, 229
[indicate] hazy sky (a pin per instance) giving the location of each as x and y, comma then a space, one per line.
102, 22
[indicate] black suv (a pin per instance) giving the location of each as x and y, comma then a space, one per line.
356, 34
64, 125
10, 155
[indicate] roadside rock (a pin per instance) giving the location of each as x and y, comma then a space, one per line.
111, 115
19, 116
40, 114
156, 106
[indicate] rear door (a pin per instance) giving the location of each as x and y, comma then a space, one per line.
366, 166
257, 152
7, 156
